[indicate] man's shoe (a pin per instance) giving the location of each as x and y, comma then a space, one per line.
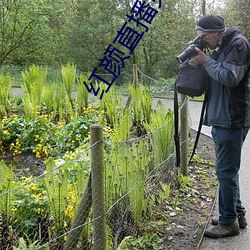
241, 219
221, 231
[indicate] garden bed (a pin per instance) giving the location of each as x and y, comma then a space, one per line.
185, 226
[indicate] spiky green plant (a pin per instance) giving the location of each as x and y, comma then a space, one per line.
56, 187
33, 85
161, 129
68, 74
113, 108
48, 98
82, 94
5, 90
126, 171
6, 184
62, 106
141, 103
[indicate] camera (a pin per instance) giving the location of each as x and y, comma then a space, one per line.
190, 51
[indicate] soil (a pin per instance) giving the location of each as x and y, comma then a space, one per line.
186, 223
25, 164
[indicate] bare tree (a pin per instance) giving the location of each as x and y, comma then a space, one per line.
20, 21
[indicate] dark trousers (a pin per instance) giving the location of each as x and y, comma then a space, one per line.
228, 145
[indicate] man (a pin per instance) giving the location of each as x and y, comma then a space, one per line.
228, 112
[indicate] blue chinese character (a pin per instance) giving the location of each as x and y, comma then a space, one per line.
92, 88
112, 59
145, 11
129, 37
137, 21
149, 14
159, 3
101, 79
115, 54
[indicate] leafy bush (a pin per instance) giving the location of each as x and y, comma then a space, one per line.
44, 138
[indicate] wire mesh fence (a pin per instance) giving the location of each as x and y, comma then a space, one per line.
46, 210
55, 210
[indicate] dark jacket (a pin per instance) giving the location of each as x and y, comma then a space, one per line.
228, 103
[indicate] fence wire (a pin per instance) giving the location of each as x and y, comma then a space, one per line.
43, 210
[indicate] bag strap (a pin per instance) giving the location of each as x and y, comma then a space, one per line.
176, 126
199, 127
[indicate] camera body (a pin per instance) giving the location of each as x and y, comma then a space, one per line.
190, 51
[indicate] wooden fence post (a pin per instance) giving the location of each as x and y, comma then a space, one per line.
80, 218
184, 135
135, 74
98, 194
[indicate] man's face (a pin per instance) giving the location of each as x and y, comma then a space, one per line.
211, 38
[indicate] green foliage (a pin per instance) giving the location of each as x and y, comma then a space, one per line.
126, 172
43, 32
128, 161
147, 241
68, 73
6, 184
48, 98
43, 137
141, 104
164, 191
29, 245
33, 85
113, 108
22, 23
30, 206
161, 126
5, 90
82, 96
57, 188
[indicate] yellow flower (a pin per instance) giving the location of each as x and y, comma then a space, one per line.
31, 187
73, 199
14, 209
38, 156
69, 211
6, 132
37, 196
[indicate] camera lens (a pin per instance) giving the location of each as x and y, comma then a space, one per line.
187, 53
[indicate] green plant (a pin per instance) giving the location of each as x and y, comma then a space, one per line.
28, 244
126, 173
33, 85
164, 191
5, 90
147, 241
6, 196
82, 94
176, 199
141, 104
68, 74
184, 181
113, 109
48, 98
30, 208
161, 126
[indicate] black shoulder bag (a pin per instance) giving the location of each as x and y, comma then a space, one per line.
191, 81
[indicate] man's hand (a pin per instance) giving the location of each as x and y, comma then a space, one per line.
200, 58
